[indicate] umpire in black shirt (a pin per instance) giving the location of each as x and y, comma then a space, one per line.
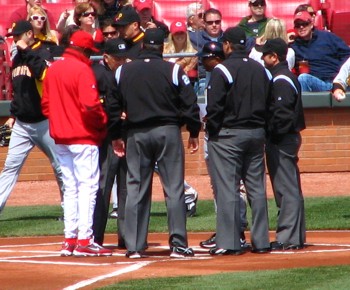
286, 120
158, 99
238, 94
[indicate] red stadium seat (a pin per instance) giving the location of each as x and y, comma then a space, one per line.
340, 24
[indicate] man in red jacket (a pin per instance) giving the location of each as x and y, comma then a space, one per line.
78, 125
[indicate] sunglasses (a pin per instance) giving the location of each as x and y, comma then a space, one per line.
86, 14
302, 24
200, 15
38, 17
216, 22
107, 33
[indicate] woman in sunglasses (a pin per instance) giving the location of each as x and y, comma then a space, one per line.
85, 17
41, 26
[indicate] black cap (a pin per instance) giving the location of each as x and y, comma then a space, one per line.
20, 27
212, 48
235, 35
154, 36
126, 16
276, 45
115, 47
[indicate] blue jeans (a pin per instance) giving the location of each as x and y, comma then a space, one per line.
310, 83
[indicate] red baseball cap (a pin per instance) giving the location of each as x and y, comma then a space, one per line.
143, 4
303, 16
178, 26
83, 39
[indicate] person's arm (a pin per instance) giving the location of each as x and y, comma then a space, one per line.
189, 106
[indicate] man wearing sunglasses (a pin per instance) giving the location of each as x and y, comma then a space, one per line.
22, 12
324, 51
254, 24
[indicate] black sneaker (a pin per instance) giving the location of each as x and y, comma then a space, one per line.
244, 244
134, 255
277, 246
191, 209
210, 243
181, 252
221, 252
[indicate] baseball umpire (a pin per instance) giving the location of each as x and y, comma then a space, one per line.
158, 99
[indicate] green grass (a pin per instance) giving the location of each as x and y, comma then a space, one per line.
321, 213
320, 278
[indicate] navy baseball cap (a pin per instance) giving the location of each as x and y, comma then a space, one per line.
275, 45
115, 47
154, 36
212, 48
235, 35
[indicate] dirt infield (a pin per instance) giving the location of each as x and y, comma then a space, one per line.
34, 263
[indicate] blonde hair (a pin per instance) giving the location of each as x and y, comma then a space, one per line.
275, 28
169, 47
46, 30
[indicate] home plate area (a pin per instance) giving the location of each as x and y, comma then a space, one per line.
35, 262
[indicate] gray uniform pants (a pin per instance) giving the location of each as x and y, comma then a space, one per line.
239, 154
146, 146
282, 163
24, 137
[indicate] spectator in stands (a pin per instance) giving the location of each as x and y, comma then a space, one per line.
254, 24
179, 42
323, 51
22, 12
144, 9
341, 82
84, 17
275, 28
110, 8
109, 31
127, 23
67, 16
42, 31
195, 22
212, 29
291, 33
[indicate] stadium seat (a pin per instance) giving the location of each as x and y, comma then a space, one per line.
340, 25
56, 9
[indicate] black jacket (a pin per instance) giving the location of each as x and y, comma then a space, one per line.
286, 113
154, 92
238, 94
28, 70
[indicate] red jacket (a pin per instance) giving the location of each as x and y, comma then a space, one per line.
71, 101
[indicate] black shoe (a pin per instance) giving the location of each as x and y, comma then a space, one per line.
221, 252
121, 244
261, 250
181, 252
210, 243
277, 246
191, 209
244, 244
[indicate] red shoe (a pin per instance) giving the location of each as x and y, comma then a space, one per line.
91, 250
67, 249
